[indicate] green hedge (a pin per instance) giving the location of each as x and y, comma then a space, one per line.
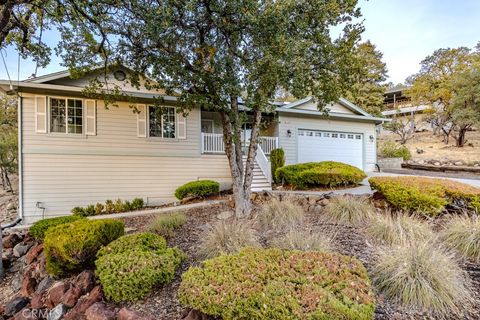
132, 266
425, 195
320, 174
39, 228
393, 150
276, 284
277, 160
72, 247
200, 188
109, 207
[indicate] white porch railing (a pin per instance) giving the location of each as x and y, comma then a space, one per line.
268, 144
212, 143
263, 163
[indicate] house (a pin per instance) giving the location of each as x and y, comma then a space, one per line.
75, 152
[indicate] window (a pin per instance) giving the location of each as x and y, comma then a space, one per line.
350, 136
358, 136
310, 133
342, 135
161, 121
326, 135
66, 115
318, 134
334, 135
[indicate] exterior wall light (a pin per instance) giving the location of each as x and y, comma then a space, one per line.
289, 133
372, 138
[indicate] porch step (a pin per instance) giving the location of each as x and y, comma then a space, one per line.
259, 182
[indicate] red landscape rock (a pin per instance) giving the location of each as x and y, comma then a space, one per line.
96, 295
196, 315
33, 253
100, 311
37, 300
71, 296
126, 314
11, 240
55, 293
28, 284
85, 281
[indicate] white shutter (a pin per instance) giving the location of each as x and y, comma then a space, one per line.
181, 126
40, 114
90, 117
142, 121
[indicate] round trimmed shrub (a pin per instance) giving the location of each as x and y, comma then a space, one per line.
72, 247
392, 150
131, 266
320, 174
200, 188
276, 284
39, 228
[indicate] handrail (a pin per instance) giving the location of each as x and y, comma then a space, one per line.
263, 163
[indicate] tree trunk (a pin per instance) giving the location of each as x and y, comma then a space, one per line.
460, 139
242, 176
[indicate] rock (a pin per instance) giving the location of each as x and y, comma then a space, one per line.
224, 215
323, 202
28, 314
85, 281
15, 305
11, 240
437, 163
195, 315
421, 162
17, 282
28, 284
11, 206
37, 300
459, 163
55, 293
84, 303
33, 253
100, 311
125, 314
6, 262
20, 249
57, 312
44, 284
71, 296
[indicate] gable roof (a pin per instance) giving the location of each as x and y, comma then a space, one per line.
358, 113
49, 77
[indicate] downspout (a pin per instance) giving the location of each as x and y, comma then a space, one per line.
20, 158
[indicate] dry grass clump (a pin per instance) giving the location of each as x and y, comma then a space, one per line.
421, 275
349, 210
279, 215
304, 240
462, 233
165, 225
389, 229
227, 236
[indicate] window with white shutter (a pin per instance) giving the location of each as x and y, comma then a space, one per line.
40, 114
141, 120
90, 117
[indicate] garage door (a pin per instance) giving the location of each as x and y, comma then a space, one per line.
315, 145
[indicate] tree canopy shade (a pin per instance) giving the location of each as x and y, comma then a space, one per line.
444, 83
213, 54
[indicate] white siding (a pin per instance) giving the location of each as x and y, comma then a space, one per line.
62, 171
293, 123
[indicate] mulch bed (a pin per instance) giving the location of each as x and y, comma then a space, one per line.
163, 303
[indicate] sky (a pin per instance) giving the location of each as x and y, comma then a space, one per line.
406, 31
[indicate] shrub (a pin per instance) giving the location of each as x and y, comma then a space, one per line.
227, 237
89, 210
131, 266
425, 195
39, 228
278, 215
118, 205
139, 242
137, 203
99, 208
109, 207
200, 188
127, 206
463, 235
73, 246
392, 150
320, 174
388, 229
276, 284
304, 241
166, 224
349, 209
277, 160
78, 211
420, 275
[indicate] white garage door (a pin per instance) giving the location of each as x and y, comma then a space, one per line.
315, 145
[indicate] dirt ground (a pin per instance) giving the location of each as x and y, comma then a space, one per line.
9, 202
434, 148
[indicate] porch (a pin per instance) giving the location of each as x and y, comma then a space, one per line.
213, 143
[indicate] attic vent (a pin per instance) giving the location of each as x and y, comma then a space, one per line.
119, 75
